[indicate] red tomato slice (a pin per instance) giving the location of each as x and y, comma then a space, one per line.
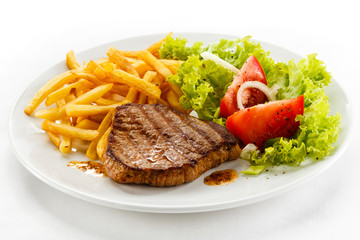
250, 71
265, 121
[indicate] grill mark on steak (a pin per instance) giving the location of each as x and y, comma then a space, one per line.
160, 141
183, 126
203, 129
145, 137
151, 137
171, 135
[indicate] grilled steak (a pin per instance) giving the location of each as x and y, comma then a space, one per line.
159, 146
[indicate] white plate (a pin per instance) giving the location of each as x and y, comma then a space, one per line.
40, 157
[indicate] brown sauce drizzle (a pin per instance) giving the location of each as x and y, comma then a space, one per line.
89, 167
221, 177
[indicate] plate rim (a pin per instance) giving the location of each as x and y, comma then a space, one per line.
176, 208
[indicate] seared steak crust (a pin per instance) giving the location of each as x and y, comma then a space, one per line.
158, 146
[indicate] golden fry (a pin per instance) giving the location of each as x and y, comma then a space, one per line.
132, 95
154, 63
108, 67
51, 114
66, 141
48, 88
158, 80
129, 54
66, 90
161, 101
89, 110
173, 100
69, 131
117, 97
120, 89
54, 138
141, 67
105, 124
88, 97
116, 57
87, 124
154, 48
71, 61
149, 76
90, 77
172, 65
102, 144
176, 89
97, 118
140, 84
103, 101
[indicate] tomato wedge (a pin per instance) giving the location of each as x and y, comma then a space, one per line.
265, 121
250, 71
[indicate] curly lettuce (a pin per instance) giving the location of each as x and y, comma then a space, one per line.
204, 84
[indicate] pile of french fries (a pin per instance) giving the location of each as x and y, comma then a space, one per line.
81, 101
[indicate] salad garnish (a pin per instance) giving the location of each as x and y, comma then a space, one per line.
205, 83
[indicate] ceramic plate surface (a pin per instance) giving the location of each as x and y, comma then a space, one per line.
34, 150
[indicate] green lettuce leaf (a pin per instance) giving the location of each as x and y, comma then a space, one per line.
317, 129
177, 49
204, 84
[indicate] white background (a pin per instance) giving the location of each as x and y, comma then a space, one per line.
35, 35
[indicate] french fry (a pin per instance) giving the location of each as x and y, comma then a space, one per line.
160, 68
108, 67
104, 101
141, 67
117, 97
171, 62
142, 98
66, 90
71, 61
97, 118
161, 101
132, 60
172, 65
158, 80
149, 76
48, 88
87, 124
54, 138
66, 141
153, 100
140, 84
132, 95
100, 73
154, 63
116, 57
120, 89
102, 61
97, 70
129, 54
173, 101
88, 97
105, 124
102, 144
89, 110
90, 77
154, 48
51, 114
69, 131
176, 89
